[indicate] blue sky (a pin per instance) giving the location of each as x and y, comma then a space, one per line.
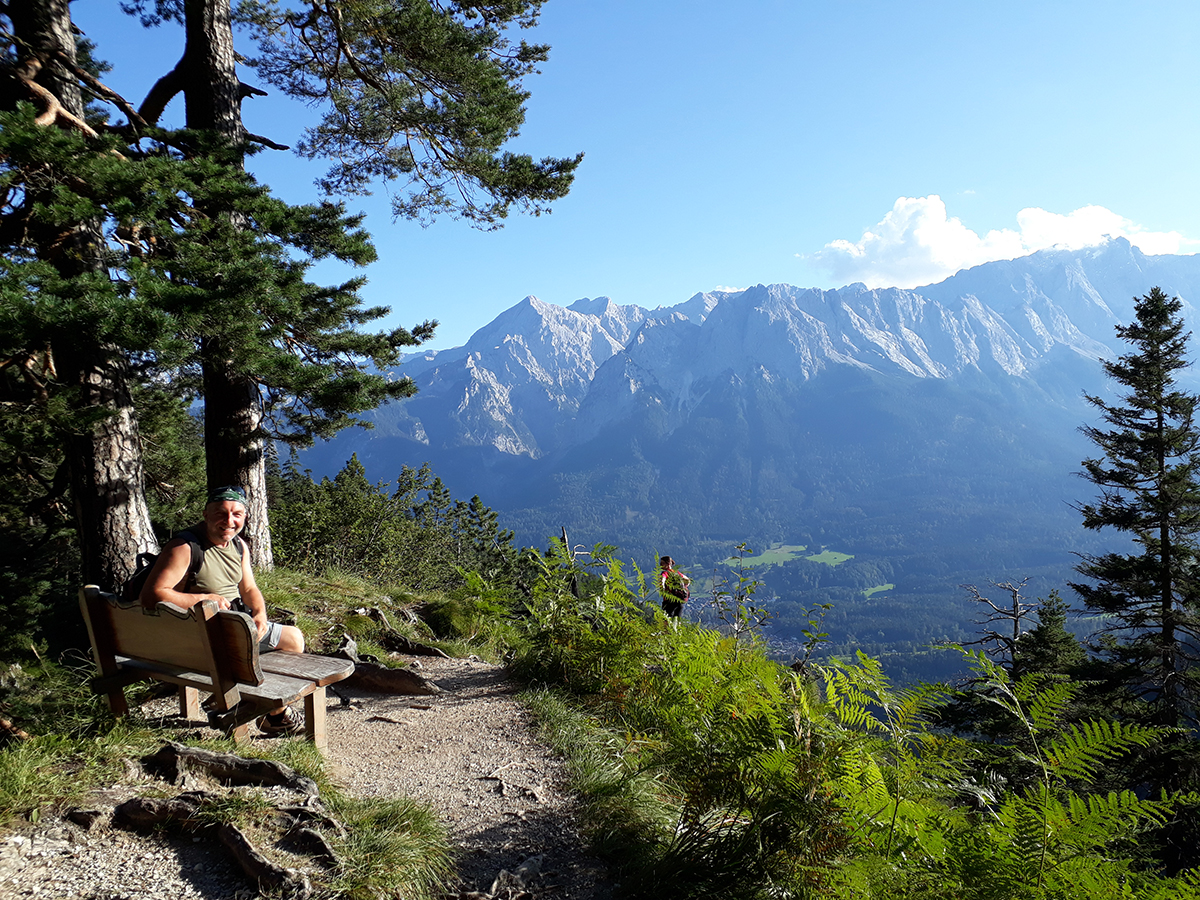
813, 143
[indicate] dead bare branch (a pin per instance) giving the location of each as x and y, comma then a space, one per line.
266, 142
53, 112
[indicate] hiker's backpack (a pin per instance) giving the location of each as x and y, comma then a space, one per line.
674, 585
132, 591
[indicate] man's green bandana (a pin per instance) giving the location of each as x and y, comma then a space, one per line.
221, 494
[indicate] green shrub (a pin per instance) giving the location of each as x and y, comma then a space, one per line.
475, 613
728, 800
712, 771
415, 535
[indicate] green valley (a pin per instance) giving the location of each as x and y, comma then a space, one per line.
776, 553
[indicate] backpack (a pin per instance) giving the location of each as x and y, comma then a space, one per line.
131, 592
673, 584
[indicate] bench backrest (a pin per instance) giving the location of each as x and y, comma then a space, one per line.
219, 643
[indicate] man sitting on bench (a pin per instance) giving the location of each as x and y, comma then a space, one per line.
224, 576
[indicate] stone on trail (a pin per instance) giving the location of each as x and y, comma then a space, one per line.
379, 679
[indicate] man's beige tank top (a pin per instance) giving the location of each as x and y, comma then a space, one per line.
220, 571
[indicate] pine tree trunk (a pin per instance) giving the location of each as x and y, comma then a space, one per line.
1169, 702
106, 474
211, 91
233, 440
104, 461
234, 447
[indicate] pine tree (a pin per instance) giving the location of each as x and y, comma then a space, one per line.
413, 91
172, 457
238, 281
1049, 648
65, 322
1147, 475
420, 93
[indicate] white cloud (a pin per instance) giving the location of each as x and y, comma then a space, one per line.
917, 243
728, 290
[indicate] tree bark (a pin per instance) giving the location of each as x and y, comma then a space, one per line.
234, 446
234, 442
104, 461
107, 481
211, 93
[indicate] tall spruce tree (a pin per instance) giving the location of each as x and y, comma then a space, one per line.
1147, 475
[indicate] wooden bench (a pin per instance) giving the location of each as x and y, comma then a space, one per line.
203, 649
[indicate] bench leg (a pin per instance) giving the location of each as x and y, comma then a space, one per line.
240, 734
189, 704
314, 717
117, 703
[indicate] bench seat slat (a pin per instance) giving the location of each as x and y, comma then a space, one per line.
164, 672
321, 670
276, 689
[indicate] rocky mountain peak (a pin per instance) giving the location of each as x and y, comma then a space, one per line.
541, 378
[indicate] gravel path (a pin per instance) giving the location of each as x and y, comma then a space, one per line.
469, 752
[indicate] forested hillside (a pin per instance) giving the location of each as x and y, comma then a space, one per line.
934, 434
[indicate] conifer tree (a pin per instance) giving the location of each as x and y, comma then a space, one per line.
1049, 648
413, 91
238, 282
1147, 476
64, 320
117, 263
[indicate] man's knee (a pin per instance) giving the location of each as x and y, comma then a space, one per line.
291, 639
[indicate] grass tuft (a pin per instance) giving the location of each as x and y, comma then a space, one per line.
51, 771
390, 848
627, 812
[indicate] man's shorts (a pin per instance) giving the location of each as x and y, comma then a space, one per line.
270, 638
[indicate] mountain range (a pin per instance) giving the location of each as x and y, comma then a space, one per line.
931, 434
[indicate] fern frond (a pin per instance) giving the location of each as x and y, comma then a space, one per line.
1024, 834
1185, 887
1045, 700
1078, 752
1001, 695
861, 786
913, 704
1097, 820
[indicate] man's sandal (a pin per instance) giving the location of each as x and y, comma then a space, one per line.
280, 724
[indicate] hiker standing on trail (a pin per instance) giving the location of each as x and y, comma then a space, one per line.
210, 562
673, 586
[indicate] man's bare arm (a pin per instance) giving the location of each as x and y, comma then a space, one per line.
167, 582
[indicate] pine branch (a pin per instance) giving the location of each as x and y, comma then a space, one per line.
266, 142
100, 89
162, 93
